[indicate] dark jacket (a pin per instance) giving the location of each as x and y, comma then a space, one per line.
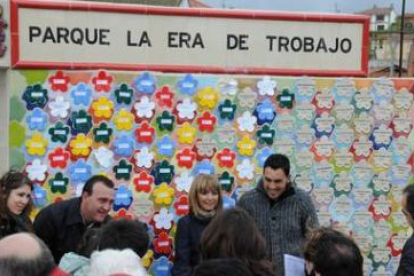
187, 251
61, 227
406, 267
283, 222
14, 224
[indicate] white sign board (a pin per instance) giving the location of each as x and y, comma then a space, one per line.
79, 35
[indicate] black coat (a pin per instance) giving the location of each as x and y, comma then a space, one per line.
406, 267
187, 241
61, 227
14, 224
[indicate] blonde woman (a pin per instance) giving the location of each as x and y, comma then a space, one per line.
205, 202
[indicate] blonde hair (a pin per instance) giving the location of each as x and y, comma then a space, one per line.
203, 183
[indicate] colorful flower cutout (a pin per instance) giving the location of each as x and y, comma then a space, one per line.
188, 85
102, 82
124, 94
81, 94
165, 97
163, 195
59, 107
59, 82
59, 183
207, 98
59, 158
37, 119
35, 96
145, 83
59, 133
123, 170
36, 145
227, 109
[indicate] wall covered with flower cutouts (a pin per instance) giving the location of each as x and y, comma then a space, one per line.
350, 142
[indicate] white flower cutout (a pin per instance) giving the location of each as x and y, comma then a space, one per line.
186, 109
59, 107
245, 170
144, 108
104, 157
325, 99
36, 170
228, 86
324, 147
163, 219
325, 123
266, 86
183, 182
144, 158
403, 99
246, 122
363, 146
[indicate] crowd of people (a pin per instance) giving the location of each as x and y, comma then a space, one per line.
78, 237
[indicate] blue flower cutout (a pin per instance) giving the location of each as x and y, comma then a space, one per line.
145, 83
166, 146
79, 171
361, 174
37, 120
188, 85
228, 202
123, 198
161, 267
81, 94
265, 112
204, 167
374, 137
383, 90
263, 155
39, 196
123, 145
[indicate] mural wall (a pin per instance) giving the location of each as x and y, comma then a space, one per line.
350, 142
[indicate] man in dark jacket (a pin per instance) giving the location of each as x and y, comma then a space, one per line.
61, 225
283, 213
406, 267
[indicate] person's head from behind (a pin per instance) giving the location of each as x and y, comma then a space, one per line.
97, 198
204, 196
232, 234
408, 204
24, 254
15, 194
89, 242
116, 262
276, 175
125, 234
330, 253
222, 267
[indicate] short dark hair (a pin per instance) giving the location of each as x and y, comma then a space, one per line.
278, 161
123, 234
234, 234
409, 192
88, 187
222, 267
41, 265
333, 254
89, 242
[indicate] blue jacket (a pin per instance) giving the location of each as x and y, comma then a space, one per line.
187, 239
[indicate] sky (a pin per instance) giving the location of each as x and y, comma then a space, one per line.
342, 6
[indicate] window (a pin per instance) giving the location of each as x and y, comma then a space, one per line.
380, 27
380, 17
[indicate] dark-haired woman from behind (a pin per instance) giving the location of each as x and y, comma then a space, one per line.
234, 234
15, 203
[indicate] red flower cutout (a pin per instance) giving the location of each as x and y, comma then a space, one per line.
206, 122
395, 252
164, 96
378, 214
143, 182
145, 133
102, 82
186, 158
163, 243
59, 82
59, 158
123, 214
181, 206
226, 158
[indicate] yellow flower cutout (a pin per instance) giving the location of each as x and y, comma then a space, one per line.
163, 194
186, 134
81, 145
246, 146
102, 108
36, 145
208, 98
146, 260
124, 120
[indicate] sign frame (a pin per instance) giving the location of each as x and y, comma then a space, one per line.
18, 62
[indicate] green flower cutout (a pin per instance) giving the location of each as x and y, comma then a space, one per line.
59, 183
124, 94
59, 133
123, 170
266, 135
286, 99
35, 96
165, 121
227, 110
164, 172
226, 181
102, 133
81, 121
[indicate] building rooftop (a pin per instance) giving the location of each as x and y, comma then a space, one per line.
377, 11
